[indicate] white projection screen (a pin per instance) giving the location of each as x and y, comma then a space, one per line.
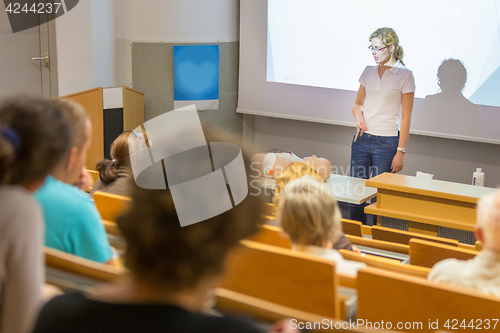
302, 60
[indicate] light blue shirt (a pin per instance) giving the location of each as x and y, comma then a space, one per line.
72, 222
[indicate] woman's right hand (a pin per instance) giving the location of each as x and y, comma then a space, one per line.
357, 112
360, 124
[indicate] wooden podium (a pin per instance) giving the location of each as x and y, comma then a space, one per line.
427, 206
112, 111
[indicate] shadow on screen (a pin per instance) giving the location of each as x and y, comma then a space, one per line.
449, 111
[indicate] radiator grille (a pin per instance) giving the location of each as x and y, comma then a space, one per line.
463, 236
389, 222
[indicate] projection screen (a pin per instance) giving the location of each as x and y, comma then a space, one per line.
302, 60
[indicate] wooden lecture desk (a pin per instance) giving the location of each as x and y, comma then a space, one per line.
345, 188
428, 206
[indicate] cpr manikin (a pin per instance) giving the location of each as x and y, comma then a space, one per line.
272, 164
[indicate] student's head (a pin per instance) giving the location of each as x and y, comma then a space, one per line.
162, 253
309, 213
488, 221
388, 39
119, 158
33, 139
322, 165
70, 169
452, 75
293, 171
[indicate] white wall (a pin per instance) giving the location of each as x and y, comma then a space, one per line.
177, 20
75, 68
103, 42
170, 21
86, 55
94, 39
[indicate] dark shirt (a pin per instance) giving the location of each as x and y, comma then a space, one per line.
75, 313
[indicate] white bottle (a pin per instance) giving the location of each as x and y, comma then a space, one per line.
478, 177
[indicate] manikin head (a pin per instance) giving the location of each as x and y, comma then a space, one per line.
488, 221
322, 165
384, 45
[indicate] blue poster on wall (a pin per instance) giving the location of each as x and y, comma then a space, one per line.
196, 76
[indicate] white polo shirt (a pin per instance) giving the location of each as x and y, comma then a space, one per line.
382, 107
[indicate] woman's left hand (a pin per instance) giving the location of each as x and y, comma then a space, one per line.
397, 162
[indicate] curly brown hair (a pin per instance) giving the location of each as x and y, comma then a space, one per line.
108, 169
162, 253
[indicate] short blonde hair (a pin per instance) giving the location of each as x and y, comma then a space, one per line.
309, 212
294, 171
389, 38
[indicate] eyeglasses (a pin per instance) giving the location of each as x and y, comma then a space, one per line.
371, 48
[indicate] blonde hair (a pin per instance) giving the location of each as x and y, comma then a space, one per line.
389, 38
293, 171
309, 213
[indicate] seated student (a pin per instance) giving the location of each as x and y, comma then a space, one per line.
33, 139
115, 174
309, 214
172, 271
483, 272
72, 222
272, 164
294, 171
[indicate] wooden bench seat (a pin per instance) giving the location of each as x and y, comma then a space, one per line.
397, 298
110, 206
427, 254
231, 302
278, 275
403, 237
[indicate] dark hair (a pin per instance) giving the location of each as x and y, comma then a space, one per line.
452, 75
44, 137
162, 253
7, 156
120, 158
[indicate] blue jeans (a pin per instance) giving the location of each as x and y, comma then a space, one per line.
371, 155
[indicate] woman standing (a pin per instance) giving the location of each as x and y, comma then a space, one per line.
382, 111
